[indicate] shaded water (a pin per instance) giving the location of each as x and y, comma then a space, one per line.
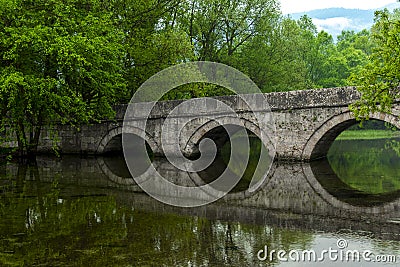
87, 212
371, 166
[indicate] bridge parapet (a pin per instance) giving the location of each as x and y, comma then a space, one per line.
278, 101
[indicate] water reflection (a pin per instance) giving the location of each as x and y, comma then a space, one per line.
361, 173
370, 166
298, 187
367, 193
68, 212
259, 162
54, 229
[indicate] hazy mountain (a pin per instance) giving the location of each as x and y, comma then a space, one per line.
334, 20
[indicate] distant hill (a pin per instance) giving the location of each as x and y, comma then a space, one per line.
334, 20
365, 15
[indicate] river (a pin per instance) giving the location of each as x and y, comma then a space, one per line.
73, 211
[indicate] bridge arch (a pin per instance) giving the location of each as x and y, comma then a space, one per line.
117, 131
321, 140
214, 129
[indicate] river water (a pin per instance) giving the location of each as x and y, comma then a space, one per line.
73, 211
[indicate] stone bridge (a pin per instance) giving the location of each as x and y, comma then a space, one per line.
307, 122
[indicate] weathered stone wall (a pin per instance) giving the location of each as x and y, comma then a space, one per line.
303, 120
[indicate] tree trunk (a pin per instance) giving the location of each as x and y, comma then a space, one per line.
34, 141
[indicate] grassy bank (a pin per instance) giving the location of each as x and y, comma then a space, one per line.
367, 134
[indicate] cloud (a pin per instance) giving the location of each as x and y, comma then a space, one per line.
337, 24
293, 6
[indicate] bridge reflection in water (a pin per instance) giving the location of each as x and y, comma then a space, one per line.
94, 202
300, 188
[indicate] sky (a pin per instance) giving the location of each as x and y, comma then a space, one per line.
294, 6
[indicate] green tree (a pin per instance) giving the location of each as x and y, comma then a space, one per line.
356, 48
379, 80
153, 41
326, 66
334, 69
360, 41
61, 61
272, 58
218, 29
307, 48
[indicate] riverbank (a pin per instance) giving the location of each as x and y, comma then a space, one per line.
368, 134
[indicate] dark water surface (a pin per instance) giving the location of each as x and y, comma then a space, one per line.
74, 211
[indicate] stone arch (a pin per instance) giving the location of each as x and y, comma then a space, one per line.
131, 130
208, 126
320, 141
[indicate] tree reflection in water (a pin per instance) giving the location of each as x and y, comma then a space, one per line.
58, 223
363, 165
67, 212
371, 166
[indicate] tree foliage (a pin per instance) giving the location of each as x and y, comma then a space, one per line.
150, 44
379, 80
60, 62
70, 61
